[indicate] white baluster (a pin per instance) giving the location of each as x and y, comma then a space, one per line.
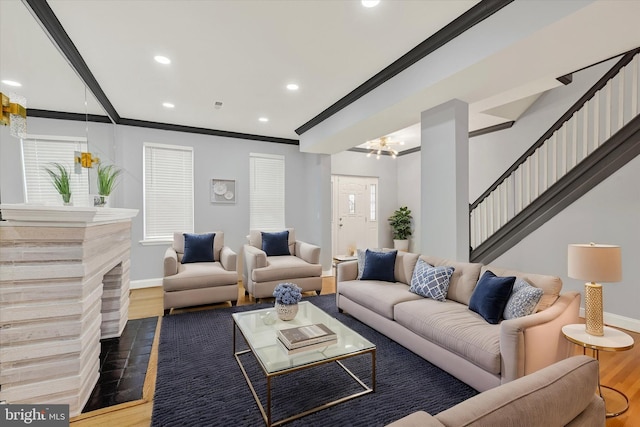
553, 151
607, 111
634, 86
544, 166
472, 228
621, 80
574, 141
518, 190
526, 183
535, 187
585, 129
511, 196
596, 120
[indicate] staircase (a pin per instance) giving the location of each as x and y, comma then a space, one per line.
598, 135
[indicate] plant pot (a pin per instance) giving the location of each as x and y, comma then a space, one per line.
100, 201
401, 245
286, 311
66, 199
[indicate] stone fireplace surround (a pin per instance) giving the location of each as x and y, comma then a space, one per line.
64, 285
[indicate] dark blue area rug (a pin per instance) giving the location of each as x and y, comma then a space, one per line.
199, 382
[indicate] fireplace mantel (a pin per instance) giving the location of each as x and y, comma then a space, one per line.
68, 215
64, 285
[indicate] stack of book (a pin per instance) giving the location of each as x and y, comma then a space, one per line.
305, 338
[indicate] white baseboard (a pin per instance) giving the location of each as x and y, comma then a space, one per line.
327, 273
618, 321
147, 283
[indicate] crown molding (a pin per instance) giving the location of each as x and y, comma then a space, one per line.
467, 20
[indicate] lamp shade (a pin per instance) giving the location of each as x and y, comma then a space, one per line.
595, 263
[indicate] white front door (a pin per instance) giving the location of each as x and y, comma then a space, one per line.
355, 213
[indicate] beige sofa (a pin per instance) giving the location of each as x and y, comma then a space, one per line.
562, 394
262, 273
451, 336
199, 283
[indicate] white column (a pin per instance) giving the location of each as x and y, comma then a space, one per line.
444, 189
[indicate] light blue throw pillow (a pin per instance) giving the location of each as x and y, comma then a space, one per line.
361, 259
523, 300
429, 281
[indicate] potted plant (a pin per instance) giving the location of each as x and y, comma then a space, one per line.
60, 178
400, 222
288, 295
107, 179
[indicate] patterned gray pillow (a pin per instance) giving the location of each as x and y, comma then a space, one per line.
360, 255
429, 281
523, 300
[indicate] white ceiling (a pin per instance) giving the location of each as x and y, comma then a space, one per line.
243, 53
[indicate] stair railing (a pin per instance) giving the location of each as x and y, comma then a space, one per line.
603, 110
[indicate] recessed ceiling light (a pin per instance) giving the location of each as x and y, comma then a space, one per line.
263, 119
162, 59
370, 3
293, 86
11, 83
168, 105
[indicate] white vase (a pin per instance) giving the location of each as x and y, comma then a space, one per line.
401, 245
286, 311
100, 201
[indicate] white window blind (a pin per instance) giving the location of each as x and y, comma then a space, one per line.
39, 152
168, 190
266, 192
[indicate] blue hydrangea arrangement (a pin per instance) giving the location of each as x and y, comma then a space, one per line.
287, 293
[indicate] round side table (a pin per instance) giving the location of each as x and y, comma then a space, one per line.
616, 402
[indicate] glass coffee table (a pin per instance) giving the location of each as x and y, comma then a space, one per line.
259, 328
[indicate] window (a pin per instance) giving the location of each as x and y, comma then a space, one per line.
168, 190
266, 192
39, 152
372, 201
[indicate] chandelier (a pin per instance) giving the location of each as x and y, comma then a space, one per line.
383, 145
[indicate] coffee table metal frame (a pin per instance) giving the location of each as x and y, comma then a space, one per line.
265, 410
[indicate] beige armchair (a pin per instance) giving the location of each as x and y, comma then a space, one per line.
197, 283
262, 273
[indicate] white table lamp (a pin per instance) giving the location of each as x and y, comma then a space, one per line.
594, 263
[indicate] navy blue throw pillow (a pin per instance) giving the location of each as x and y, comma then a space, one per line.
198, 247
275, 244
379, 266
491, 295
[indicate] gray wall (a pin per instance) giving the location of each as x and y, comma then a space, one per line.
218, 157
307, 182
610, 213
409, 186
101, 142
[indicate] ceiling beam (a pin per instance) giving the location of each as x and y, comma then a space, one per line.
471, 17
49, 22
